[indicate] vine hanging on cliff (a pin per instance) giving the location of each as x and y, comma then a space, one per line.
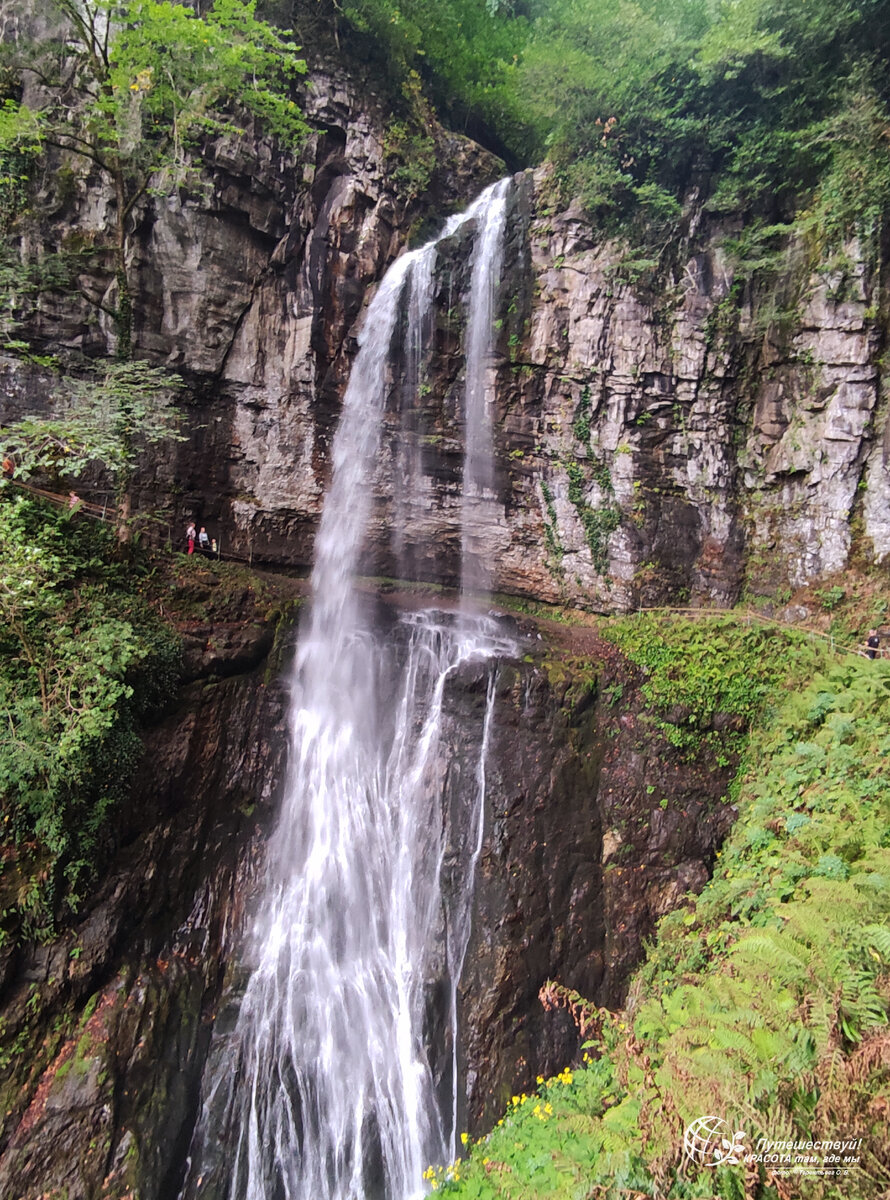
598, 523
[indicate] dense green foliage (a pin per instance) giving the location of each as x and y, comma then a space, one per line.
83, 661
466, 51
711, 667
769, 108
765, 1000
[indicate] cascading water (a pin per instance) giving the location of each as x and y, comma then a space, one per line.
476, 496
323, 1089
421, 285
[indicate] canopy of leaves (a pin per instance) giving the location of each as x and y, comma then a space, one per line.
764, 107
466, 51
20, 140
104, 422
144, 80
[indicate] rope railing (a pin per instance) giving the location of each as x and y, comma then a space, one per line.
72, 501
100, 512
751, 615
75, 503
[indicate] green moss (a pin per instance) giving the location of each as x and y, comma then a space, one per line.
697, 669
64, 1069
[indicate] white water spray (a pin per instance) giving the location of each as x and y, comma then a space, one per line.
324, 1088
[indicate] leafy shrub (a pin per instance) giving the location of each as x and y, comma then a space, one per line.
82, 662
411, 158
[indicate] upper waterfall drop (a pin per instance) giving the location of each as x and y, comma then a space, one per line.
325, 1088
477, 502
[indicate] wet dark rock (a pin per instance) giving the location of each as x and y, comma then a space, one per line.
594, 829
220, 651
117, 1012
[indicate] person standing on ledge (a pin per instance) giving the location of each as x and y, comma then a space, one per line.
872, 642
203, 541
190, 536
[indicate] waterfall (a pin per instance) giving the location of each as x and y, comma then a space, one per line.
476, 498
407, 454
323, 1085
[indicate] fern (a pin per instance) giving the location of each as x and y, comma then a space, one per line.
877, 937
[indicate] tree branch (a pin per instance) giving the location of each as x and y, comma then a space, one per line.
83, 153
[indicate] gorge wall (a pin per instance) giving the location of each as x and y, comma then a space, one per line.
663, 435
666, 439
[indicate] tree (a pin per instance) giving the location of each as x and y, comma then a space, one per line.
136, 87
106, 421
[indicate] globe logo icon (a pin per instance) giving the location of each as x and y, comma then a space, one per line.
710, 1140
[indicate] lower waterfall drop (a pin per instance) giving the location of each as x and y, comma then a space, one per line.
324, 1087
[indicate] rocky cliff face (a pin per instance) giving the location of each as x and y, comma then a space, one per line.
249, 281
663, 436
685, 437
595, 827
696, 435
